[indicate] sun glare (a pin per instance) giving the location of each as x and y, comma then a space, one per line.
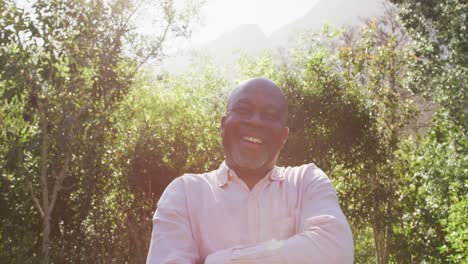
219, 16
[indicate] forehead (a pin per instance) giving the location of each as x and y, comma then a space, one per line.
258, 94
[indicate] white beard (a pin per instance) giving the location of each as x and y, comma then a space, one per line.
248, 161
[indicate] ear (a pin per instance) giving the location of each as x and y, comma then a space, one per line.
223, 120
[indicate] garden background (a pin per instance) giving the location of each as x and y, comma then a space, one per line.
90, 136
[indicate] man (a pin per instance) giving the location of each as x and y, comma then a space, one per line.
250, 210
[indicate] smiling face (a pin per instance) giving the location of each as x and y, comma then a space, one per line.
254, 127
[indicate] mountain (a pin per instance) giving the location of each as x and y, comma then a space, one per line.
250, 40
338, 13
225, 50
240, 38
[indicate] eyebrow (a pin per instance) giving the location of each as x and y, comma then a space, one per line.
243, 101
272, 107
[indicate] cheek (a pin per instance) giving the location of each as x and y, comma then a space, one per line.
278, 134
231, 125
277, 140
229, 134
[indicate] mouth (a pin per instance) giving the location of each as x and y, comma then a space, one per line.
253, 140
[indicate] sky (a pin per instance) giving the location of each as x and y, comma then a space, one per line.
219, 16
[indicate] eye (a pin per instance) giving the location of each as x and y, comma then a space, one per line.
270, 116
241, 110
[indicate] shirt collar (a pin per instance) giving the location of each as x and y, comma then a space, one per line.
224, 174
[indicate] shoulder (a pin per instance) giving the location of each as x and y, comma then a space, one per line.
192, 180
310, 181
306, 176
307, 172
181, 186
195, 179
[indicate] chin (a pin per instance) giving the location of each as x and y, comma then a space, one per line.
243, 161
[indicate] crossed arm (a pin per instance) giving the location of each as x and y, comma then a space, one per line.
324, 235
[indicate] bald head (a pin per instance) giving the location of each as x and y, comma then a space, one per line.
254, 128
263, 87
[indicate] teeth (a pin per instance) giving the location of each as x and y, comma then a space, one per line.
253, 139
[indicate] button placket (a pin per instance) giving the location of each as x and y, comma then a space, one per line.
254, 213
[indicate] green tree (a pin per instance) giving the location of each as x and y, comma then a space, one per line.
170, 126
437, 164
438, 29
68, 64
435, 195
348, 108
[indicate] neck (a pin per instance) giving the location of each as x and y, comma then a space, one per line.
251, 181
250, 176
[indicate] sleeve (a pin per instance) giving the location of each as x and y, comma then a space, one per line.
324, 234
171, 239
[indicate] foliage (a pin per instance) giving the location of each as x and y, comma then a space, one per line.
348, 109
456, 228
434, 192
64, 69
437, 161
169, 126
438, 29
376, 63
364, 246
90, 139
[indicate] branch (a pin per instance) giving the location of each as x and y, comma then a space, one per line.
34, 198
155, 49
124, 25
44, 154
58, 185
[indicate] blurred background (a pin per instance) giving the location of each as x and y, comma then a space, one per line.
104, 102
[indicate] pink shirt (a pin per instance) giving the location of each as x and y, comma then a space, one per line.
291, 216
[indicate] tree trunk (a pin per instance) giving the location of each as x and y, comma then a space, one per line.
381, 241
49, 198
44, 187
46, 241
